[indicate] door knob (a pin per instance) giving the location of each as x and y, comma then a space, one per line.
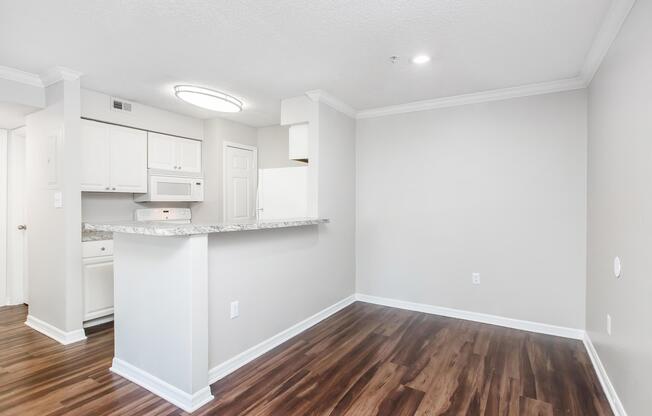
22, 227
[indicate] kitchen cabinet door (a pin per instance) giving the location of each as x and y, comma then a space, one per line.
162, 151
98, 287
189, 155
128, 165
95, 157
298, 142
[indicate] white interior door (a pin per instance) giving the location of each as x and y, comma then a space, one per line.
16, 219
240, 173
4, 299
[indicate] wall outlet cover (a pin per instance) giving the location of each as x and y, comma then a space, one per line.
475, 278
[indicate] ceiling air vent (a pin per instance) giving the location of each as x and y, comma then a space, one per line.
120, 105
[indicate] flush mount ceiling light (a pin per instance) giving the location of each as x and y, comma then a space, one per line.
209, 99
421, 59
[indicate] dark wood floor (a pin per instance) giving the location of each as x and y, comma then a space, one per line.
365, 360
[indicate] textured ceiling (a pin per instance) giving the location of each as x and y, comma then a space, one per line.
266, 50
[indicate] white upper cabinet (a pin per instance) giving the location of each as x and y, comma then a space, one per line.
128, 160
95, 156
299, 142
161, 151
113, 158
174, 153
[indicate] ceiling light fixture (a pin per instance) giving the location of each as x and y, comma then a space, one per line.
209, 99
421, 59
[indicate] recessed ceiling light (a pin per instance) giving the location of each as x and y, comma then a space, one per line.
421, 59
209, 99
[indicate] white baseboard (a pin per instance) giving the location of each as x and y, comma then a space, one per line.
186, 401
98, 321
256, 351
609, 390
55, 333
559, 331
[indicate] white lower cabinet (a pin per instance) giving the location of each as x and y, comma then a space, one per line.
97, 279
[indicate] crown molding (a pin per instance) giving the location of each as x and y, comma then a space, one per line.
328, 99
16, 75
54, 75
611, 24
59, 73
477, 97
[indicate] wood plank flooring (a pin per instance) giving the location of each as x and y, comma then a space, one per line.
364, 360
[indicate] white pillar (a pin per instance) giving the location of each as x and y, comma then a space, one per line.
161, 316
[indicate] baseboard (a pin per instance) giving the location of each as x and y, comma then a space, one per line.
98, 321
256, 351
540, 328
609, 390
186, 401
55, 333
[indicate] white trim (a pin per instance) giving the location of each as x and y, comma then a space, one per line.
236, 145
477, 97
16, 75
53, 75
332, 101
4, 161
59, 73
55, 333
186, 401
98, 321
611, 24
540, 328
229, 366
609, 390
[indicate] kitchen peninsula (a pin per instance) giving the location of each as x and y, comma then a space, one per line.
161, 291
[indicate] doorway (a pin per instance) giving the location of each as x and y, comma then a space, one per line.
13, 239
240, 171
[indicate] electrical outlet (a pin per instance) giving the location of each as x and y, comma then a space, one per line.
475, 278
609, 324
235, 309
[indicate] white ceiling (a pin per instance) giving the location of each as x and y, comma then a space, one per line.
265, 50
13, 115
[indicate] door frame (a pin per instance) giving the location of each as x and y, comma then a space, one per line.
236, 145
4, 160
17, 267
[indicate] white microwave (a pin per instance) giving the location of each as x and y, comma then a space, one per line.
172, 188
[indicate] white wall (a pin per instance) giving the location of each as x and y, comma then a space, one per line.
274, 148
54, 233
495, 188
216, 132
97, 106
283, 276
620, 210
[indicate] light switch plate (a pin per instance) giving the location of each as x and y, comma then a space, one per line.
235, 309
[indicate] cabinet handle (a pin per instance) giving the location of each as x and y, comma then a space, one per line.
114, 189
102, 248
107, 188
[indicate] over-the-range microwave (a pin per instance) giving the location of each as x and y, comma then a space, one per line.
162, 187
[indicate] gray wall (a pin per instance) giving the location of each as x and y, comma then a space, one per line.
281, 277
497, 188
55, 286
620, 210
274, 148
216, 132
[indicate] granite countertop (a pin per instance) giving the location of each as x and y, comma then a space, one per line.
90, 235
163, 229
